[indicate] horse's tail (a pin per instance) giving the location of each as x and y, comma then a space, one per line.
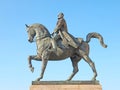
95, 35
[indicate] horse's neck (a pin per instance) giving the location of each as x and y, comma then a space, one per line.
42, 33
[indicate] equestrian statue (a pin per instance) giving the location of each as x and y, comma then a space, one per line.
60, 45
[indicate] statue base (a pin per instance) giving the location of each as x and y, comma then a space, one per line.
65, 85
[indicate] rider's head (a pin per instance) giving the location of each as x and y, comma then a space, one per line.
60, 15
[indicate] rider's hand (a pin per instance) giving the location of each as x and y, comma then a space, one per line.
55, 30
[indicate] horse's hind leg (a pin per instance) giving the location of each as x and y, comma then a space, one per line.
74, 60
89, 61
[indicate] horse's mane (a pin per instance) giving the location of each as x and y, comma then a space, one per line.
39, 25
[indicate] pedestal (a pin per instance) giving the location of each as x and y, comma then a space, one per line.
65, 85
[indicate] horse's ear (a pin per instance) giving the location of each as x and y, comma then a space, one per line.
26, 25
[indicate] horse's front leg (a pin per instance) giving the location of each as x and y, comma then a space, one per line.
45, 57
30, 58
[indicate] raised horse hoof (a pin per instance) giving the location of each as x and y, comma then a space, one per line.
32, 69
105, 46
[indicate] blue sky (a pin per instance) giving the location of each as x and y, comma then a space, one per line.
82, 17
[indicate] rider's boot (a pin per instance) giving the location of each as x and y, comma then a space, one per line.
54, 47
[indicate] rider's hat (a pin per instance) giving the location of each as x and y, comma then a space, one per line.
60, 15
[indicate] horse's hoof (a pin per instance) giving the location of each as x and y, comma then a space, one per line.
93, 79
38, 79
106, 46
32, 69
68, 79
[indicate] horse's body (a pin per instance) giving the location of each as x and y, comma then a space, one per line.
44, 47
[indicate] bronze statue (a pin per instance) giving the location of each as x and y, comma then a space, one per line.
62, 31
45, 52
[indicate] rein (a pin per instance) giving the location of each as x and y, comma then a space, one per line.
41, 37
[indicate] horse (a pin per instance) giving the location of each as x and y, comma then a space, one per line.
45, 53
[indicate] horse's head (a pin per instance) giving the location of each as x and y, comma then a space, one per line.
31, 33
37, 30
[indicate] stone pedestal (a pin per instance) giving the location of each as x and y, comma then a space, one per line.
65, 85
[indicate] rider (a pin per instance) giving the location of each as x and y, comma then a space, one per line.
61, 29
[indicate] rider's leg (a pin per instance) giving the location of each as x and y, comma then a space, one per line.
53, 47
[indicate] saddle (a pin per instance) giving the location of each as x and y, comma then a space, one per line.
64, 43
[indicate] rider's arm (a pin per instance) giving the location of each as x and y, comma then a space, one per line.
58, 26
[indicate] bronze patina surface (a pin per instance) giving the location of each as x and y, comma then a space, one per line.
65, 82
60, 45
